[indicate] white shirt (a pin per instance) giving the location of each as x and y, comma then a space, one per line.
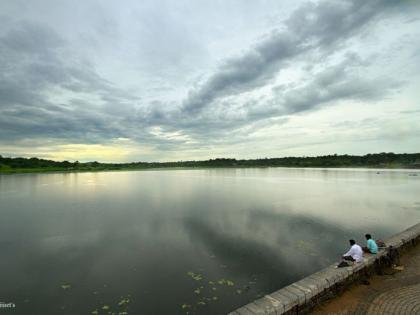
356, 252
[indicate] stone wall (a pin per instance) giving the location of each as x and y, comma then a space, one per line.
300, 297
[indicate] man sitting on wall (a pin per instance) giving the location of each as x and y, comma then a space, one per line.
355, 254
371, 245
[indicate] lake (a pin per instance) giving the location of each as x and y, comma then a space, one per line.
185, 241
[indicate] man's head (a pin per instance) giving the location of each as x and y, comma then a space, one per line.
352, 242
368, 236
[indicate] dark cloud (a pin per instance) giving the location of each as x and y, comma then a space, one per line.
37, 64
344, 81
327, 22
313, 26
251, 70
221, 123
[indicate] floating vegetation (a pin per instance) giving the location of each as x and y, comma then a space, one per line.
124, 302
195, 276
185, 306
226, 282
119, 308
209, 290
66, 286
205, 292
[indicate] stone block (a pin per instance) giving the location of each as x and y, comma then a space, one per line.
321, 282
242, 311
255, 309
288, 299
341, 273
359, 267
394, 241
369, 259
306, 291
278, 305
332, 276
310, 285
268, 305
350, 270
300, 295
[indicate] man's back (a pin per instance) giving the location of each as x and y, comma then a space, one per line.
358, 253
371, 245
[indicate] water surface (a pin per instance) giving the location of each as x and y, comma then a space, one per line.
184, 241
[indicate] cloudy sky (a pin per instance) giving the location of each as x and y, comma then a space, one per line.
192, 79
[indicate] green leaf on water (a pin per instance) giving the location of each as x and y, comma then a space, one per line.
124, 302
185, 306
230, 283
105, 307
95, 312
65, 286
197, 291
214, 298
201, 303
196, 277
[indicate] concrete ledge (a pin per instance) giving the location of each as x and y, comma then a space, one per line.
300, 297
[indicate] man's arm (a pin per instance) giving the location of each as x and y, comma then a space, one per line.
350, 252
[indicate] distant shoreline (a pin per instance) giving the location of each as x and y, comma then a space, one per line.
18, 165
97, 170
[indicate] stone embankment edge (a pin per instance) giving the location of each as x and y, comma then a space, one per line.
300, 297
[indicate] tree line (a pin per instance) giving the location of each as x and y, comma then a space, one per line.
386, 160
